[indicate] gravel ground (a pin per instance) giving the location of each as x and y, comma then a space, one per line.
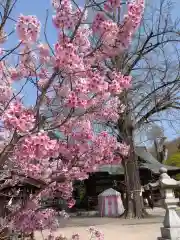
114, 228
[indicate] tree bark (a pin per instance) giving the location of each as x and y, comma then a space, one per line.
134, 201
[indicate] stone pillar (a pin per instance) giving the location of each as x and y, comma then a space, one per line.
171, 224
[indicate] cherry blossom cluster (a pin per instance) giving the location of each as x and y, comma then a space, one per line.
44, 53
123, 149
38, 146
28, 221
27, 64
94, 234
6, 91
28, 28
135, 10
109, 111
101, 153
81, 39
117, 36
66, 57
17, 117
32, 155
112, 5
64, 12
65, 16
119, 82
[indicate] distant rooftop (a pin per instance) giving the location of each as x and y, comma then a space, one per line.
147, 162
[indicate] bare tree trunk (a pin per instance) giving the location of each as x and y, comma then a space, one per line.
134, 201
129, 203
134, 206
156, 149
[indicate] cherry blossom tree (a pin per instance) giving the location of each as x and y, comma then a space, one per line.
77, 89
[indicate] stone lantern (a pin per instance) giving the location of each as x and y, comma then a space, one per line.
171, 224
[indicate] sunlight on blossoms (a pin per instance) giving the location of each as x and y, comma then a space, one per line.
77, 88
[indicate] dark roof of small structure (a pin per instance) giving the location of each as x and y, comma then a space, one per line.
28, 182
147, 162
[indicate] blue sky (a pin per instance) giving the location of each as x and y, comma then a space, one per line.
38, 8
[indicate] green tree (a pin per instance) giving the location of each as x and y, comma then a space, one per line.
174, 160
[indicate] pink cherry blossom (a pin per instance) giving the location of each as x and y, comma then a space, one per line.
28, 28
75, 92
17, 117
110, 5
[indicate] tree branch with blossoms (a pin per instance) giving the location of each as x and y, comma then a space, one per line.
75, 91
